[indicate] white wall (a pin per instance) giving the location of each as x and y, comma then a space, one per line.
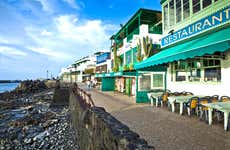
108, 63
204, 88
144, 31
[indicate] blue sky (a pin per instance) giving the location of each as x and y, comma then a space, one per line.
41, 35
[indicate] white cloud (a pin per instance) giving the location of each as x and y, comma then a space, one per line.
3, 40
46, 33
72, 3
68, 37
87, 32
49, 36
46, 6
11, 51
50, 52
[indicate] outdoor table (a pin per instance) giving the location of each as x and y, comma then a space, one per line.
179, 99
221, 106
155, 95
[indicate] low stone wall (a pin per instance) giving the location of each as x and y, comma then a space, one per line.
50, 83
61, 96
97, 129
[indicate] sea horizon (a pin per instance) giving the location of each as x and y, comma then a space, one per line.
8, 86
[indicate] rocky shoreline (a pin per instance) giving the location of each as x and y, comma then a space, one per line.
24, 89
29, 121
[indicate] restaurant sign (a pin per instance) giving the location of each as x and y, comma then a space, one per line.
218, 18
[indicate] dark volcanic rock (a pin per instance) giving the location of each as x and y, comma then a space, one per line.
30, 123
24, 88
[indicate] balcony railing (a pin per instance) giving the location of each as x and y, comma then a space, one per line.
130, 36
155, 29
119, 43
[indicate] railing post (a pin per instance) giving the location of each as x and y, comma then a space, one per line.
84, 96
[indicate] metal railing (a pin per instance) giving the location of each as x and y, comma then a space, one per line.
155, 29
85, 97
130, 35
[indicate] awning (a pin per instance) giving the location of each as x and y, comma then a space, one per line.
208, 44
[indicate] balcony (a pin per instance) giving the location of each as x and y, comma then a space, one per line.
73, 69
155, 29
91, 66
119, 43
130, 36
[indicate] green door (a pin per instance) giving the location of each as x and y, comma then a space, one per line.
108, 84
128, 86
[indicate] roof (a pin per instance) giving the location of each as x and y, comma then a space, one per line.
162, 1
148, 16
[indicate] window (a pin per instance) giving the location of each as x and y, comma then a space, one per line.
212, 74
196, 5
158, 81
128, 57
180, 68
172, 69
135, 55
166, 17
178, 10
145, 82
206, 3
194, 70
198, 69
121, 60
186, 10
171, 12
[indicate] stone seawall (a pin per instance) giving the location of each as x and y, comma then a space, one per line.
97, 129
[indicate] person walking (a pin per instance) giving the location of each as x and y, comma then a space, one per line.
88, 84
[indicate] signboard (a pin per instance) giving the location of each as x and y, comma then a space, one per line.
218, 18
117, 73
112, 74
103, 57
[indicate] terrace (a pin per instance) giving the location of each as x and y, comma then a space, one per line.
151, 18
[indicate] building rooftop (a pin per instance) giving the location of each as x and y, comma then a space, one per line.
142, 16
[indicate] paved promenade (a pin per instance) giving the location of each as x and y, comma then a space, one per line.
160, 127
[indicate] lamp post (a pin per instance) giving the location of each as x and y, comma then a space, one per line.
70, 76
47, 74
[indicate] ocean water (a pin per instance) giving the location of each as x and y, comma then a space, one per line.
7, 86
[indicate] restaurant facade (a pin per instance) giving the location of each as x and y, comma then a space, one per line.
195, 48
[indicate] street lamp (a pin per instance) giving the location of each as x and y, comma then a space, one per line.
47, 74
70, 76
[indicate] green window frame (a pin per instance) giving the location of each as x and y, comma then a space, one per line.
178, 11
128, 57
144, 82
197, 69
196, 7
122, 59
158, 81
206, 3
134, 54
186, 9
171, 13
166, 16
